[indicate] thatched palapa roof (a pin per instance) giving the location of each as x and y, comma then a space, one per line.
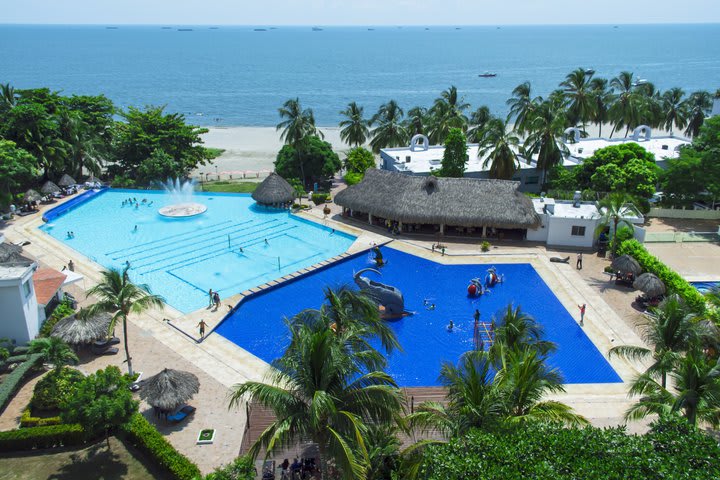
66, 180
78, 329
32, 196
463, 202
169, 389
49, 187
274, 190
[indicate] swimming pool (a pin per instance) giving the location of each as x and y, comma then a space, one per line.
704, 287
257, 324
235, 245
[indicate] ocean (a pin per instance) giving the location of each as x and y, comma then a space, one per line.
237, 76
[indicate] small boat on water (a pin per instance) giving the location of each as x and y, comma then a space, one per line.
111, 28
259, 29
487, 75
640, 81
166, 28
316, 29
184, 29
589, 71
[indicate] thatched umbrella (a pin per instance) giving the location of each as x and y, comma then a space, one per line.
49, 187
81, 329
626, 264
650, 285
169, 389
66, 180
32, 196
92, 179
274, 190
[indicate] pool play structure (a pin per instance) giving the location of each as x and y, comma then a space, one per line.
435, 293
390, 299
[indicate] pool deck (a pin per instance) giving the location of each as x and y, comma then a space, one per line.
166, 337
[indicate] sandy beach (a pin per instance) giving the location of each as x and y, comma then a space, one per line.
253, 149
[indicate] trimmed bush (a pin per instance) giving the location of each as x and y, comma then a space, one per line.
27, 420
61, 311
146, 438
353, 178
242, 468
56, 387
673, 281
485, 246
16, 359
320, 198
14, 380
42, 437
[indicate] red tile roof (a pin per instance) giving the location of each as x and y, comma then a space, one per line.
47, 282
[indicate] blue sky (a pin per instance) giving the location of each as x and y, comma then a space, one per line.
361, 12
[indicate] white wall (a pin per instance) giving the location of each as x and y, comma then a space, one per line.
560, 232
682, 213
19, 320
540, 234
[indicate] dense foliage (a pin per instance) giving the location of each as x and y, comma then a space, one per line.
17, 168
310, 159
242, 468
672, 280
42, 437
672, 449
55, 388
14, 380
61, 311
27, 420
455, 154
146, 437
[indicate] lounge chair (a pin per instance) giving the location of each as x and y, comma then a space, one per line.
560, 260
182, 414
101, 344
107, 350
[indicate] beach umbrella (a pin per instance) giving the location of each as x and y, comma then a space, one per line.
626, 264
82, 329
66, 180
274, 190
32, 196
169, 389
92, 179
650, 285
49, 187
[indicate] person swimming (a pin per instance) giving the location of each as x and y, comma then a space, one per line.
430, 306
135, 229
450, 326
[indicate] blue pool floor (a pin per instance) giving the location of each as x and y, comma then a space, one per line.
257, 325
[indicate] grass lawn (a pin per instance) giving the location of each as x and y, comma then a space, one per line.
93, 462
232, 187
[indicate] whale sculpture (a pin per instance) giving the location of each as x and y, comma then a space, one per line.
389, 297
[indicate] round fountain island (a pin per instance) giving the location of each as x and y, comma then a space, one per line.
180, 210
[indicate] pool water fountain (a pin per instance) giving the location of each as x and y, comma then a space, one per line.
181, 193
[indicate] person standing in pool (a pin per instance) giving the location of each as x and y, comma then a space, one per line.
211, 298
476, 315
450, 326
216, 300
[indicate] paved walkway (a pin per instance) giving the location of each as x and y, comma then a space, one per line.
10, 418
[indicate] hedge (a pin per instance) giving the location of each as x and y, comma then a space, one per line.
147, 439
673, 281
14, 380
27, 420
42, 437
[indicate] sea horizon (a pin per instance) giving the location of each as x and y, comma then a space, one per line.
235, 76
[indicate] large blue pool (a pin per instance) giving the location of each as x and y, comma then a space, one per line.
257, 325
181, 259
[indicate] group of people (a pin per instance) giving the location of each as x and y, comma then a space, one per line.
70, 234
298, 470
392, 227
214, 299
133, 201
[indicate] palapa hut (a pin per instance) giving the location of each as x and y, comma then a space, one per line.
32, 196
169, 389
274, 191
49, 187
66, 181
82, 329
423, 203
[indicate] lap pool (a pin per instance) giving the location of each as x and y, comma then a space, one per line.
257, 324
233, 246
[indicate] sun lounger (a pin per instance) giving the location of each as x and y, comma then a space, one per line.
101, 344
181, 414
104, 350
560, 260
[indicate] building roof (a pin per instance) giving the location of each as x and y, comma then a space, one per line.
661, 147
274, 189
566, 209
47, 282
12, 264
464, 202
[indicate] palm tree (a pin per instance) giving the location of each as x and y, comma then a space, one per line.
120, 297
53, 351
321, 393
624, 110
447, 113
578, 90
616, 209
416, 121
671, 328
383, 451
522, 107
49, 150
389, 130
651, 105
354, 129
545, 139
695, 380
517, 330
297, 123
500, 145
697, 105
479, 119
675, 114
602, 97
84, 145
8, 98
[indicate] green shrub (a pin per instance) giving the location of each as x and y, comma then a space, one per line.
16, 358
61, 311
485, 246
146, 437
42, 437
14, 380
56, 387
623, 233
353, 178
320, 198
27, 420
242, 468
673, 281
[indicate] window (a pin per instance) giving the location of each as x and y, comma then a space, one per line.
407, 159
532, 180
578, 231
27, 289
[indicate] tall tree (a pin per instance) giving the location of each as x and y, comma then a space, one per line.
17, 167
455, 156
545, 139
53, 351
354, 129
447, 113
675, 114
625, 108
578, 90
297, 123
697, 105
602, 97
522, 107
84, 145
310, 160
389, 129
500, 145
479, 120
417, 121
616, 209
120, 297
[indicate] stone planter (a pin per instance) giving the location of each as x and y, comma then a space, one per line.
206, 436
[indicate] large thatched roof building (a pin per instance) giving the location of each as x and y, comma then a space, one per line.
459, 202
274, 190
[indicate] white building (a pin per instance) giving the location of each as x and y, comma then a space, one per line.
20, 319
